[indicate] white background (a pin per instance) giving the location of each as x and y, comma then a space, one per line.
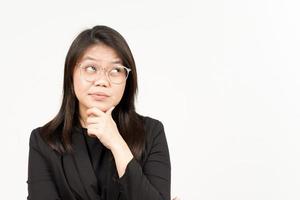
223, 77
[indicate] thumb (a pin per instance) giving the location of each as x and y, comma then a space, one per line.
110, 110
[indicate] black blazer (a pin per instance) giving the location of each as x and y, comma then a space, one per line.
54, 176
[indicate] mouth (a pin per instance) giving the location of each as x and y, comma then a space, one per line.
99, 96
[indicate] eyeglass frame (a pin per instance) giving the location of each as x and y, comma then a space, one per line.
128, 70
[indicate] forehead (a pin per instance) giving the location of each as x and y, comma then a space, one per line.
100, 53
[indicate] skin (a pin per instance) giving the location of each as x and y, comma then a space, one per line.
95, 114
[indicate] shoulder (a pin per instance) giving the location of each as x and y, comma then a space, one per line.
35, 137
151, 124
37, 142
154, 128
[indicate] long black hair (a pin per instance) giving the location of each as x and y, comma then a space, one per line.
57, 132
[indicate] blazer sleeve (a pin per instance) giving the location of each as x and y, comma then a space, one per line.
40, 181
153, 180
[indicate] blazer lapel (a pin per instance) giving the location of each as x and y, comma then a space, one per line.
73, 177
78, 168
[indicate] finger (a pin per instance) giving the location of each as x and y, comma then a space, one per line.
92, 126
91, 132
92, 120
110, 110
94, 111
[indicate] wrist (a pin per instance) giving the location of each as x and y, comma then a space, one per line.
121, 150
122, 156
119, 146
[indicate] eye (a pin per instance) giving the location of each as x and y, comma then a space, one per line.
90, 69
117, 69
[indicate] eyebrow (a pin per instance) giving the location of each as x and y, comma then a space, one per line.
117, 61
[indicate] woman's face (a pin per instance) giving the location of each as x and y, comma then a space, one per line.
87, 92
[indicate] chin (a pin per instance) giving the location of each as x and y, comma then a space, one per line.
101, 106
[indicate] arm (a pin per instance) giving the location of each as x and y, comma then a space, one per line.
40, 183
153, 180
136, 183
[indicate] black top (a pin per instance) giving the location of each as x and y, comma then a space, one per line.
97, 155
90, 172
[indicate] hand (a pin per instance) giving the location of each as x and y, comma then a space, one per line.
102, 125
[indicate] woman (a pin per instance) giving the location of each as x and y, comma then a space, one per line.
97, 146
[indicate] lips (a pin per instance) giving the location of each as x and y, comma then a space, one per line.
98, 96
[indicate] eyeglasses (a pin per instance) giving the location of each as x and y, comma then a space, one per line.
116, 74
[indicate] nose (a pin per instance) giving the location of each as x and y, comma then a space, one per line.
102, 79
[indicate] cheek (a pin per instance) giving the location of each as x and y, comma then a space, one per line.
118, 93
79, 86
